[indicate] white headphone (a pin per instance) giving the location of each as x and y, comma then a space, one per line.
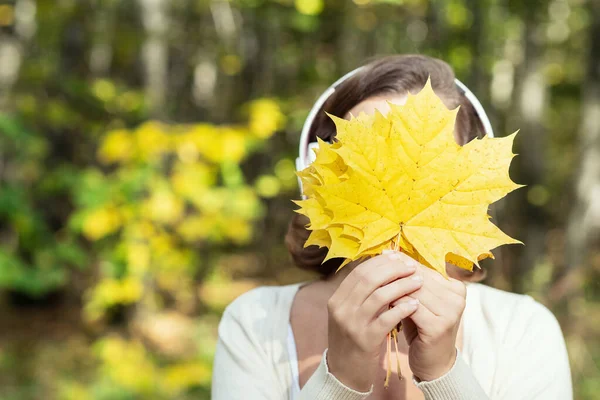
306, 154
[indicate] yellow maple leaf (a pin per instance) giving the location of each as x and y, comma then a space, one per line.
401, 181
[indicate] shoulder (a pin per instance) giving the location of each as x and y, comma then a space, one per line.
258, 297
259, 309
521, 340
512, 318
262, 298
251, 355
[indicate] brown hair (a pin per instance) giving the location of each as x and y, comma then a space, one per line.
389, 75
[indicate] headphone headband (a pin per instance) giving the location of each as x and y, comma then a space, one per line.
305, 156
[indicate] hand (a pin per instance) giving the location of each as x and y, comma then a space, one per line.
431, 331
360, 317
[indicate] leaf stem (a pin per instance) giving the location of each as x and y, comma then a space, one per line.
397, 242
388, 371
395, 337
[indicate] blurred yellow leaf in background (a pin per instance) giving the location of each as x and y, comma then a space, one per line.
265, 118
101, 222
116, 146
151, 140
182, 376
163, 205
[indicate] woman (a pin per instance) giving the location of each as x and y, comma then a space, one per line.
326, 339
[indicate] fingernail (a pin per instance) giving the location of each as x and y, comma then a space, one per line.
417, 278
411, 263
410, 304
392, 255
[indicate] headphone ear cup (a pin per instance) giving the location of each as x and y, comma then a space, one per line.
300, 167
304, 145
312, 156
478, 107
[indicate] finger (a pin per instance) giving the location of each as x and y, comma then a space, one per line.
387, 320
425, 321
384, 295
386, 269
432, 278
354, 277
430, 327
454, 285
444, 302
438, 295
438, 306
371, 280
458, 286
429, 300
435, 317
448, 291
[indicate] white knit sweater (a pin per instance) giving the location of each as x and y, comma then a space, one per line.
513, 349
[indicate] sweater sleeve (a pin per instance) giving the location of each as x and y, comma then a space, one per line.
457, 384
323, 385
534, 363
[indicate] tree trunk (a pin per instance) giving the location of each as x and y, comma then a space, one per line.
13, 46
155, 53
529, 102
584, 221
101, 52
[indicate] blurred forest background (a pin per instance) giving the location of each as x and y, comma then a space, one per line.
146, 169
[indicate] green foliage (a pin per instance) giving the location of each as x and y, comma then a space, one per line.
37, 256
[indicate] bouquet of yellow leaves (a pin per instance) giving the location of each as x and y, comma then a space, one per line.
402, 182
